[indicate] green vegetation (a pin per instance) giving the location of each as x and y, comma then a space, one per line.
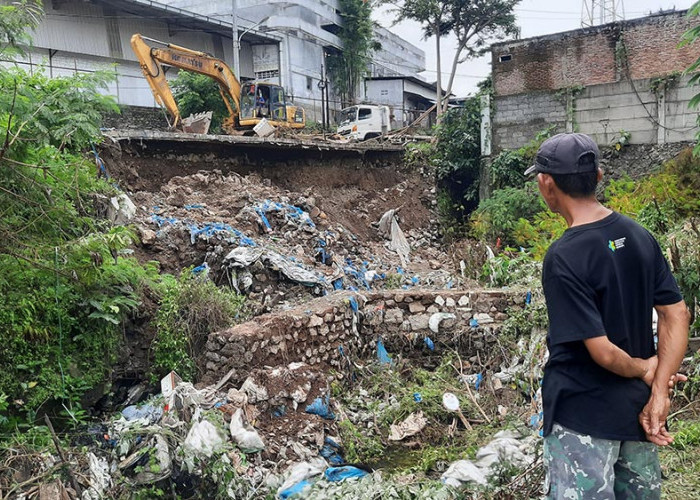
191, 308
195, 93
348, 67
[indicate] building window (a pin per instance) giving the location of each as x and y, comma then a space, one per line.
505, 58
309, 83
266, 75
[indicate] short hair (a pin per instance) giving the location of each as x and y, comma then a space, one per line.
577, 185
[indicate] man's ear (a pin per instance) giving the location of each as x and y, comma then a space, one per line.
600, 174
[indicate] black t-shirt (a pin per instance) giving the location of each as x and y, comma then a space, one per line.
601, 278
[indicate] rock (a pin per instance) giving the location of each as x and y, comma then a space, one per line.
148, 237
463, 301
483, 318
450, 302
439, 301
419, 321
315, 321
416, 307
393, 316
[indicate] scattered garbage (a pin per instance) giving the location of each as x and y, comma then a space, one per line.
331, 452
382, 354
342, 473
389, 227
247, 438
451, 403
147, 413
412, 425
203, 438
437, 318
429, 343
321, 407
297, 477
121, 209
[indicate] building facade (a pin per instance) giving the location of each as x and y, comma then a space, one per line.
622, 77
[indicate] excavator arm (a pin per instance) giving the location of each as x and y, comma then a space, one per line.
152, 60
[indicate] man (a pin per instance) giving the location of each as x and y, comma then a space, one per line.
605, 392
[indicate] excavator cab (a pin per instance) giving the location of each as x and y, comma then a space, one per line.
262, 100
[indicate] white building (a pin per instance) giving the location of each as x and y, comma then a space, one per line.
282, 41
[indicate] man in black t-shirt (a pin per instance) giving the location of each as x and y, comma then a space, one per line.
605, 391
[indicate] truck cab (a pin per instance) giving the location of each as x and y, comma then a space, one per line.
364, 121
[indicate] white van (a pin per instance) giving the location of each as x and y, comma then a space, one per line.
364, 121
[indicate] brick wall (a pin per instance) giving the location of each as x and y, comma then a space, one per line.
518, 119
591, 56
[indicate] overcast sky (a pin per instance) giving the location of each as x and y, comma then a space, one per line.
535, 17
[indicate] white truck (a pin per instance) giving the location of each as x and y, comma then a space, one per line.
364, 121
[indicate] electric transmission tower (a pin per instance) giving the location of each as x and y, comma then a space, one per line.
596, 12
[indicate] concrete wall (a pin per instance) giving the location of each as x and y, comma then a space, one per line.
601, 111
636, 49
325, 331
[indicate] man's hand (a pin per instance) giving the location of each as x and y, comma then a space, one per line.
654, 414
650, 367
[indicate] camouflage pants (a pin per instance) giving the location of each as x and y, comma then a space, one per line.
581, 467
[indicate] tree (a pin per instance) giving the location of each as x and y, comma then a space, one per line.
434, 15
348, 67
689, 37
195, 93
475, 24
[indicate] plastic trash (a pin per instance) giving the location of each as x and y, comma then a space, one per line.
474, 323
297, 477
411, 426
203, 438
477, 382
295, 489
463, 471
162, 466
528, 297
382, 354
331, 452
429, 343
321, 407
244, 257
417, 397
100, 479
120, 209
245, 437
389, 227
436, 319
256, 393
147, 412
342, 473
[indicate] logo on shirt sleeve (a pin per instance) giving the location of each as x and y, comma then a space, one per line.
617, 244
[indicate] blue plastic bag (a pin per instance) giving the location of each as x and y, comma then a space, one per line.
382, 354
295, 490
321, 407
342, 473
331, 452
429, 342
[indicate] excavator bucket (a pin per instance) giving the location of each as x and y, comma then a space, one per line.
197, 123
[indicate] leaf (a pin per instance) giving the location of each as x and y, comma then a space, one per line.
32, 384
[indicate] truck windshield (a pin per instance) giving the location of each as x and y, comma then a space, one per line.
347, 116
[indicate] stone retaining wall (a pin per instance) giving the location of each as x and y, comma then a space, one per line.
324, 331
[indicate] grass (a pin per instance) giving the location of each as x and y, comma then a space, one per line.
680, 463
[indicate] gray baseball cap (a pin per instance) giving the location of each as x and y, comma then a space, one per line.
566, 154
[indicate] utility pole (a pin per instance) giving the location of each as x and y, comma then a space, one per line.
596, 12
236, 42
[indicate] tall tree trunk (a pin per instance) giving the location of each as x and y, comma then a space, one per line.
438, 100
455, 61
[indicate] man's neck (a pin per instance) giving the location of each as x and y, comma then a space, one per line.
583, 211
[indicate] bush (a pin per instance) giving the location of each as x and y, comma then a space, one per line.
498, 216
191, 308
195, 93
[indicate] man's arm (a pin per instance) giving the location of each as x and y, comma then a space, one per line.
674, 321
614, 359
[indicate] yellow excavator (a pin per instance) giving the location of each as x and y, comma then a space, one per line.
247, 104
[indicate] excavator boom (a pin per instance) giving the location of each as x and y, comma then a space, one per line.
152, 60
